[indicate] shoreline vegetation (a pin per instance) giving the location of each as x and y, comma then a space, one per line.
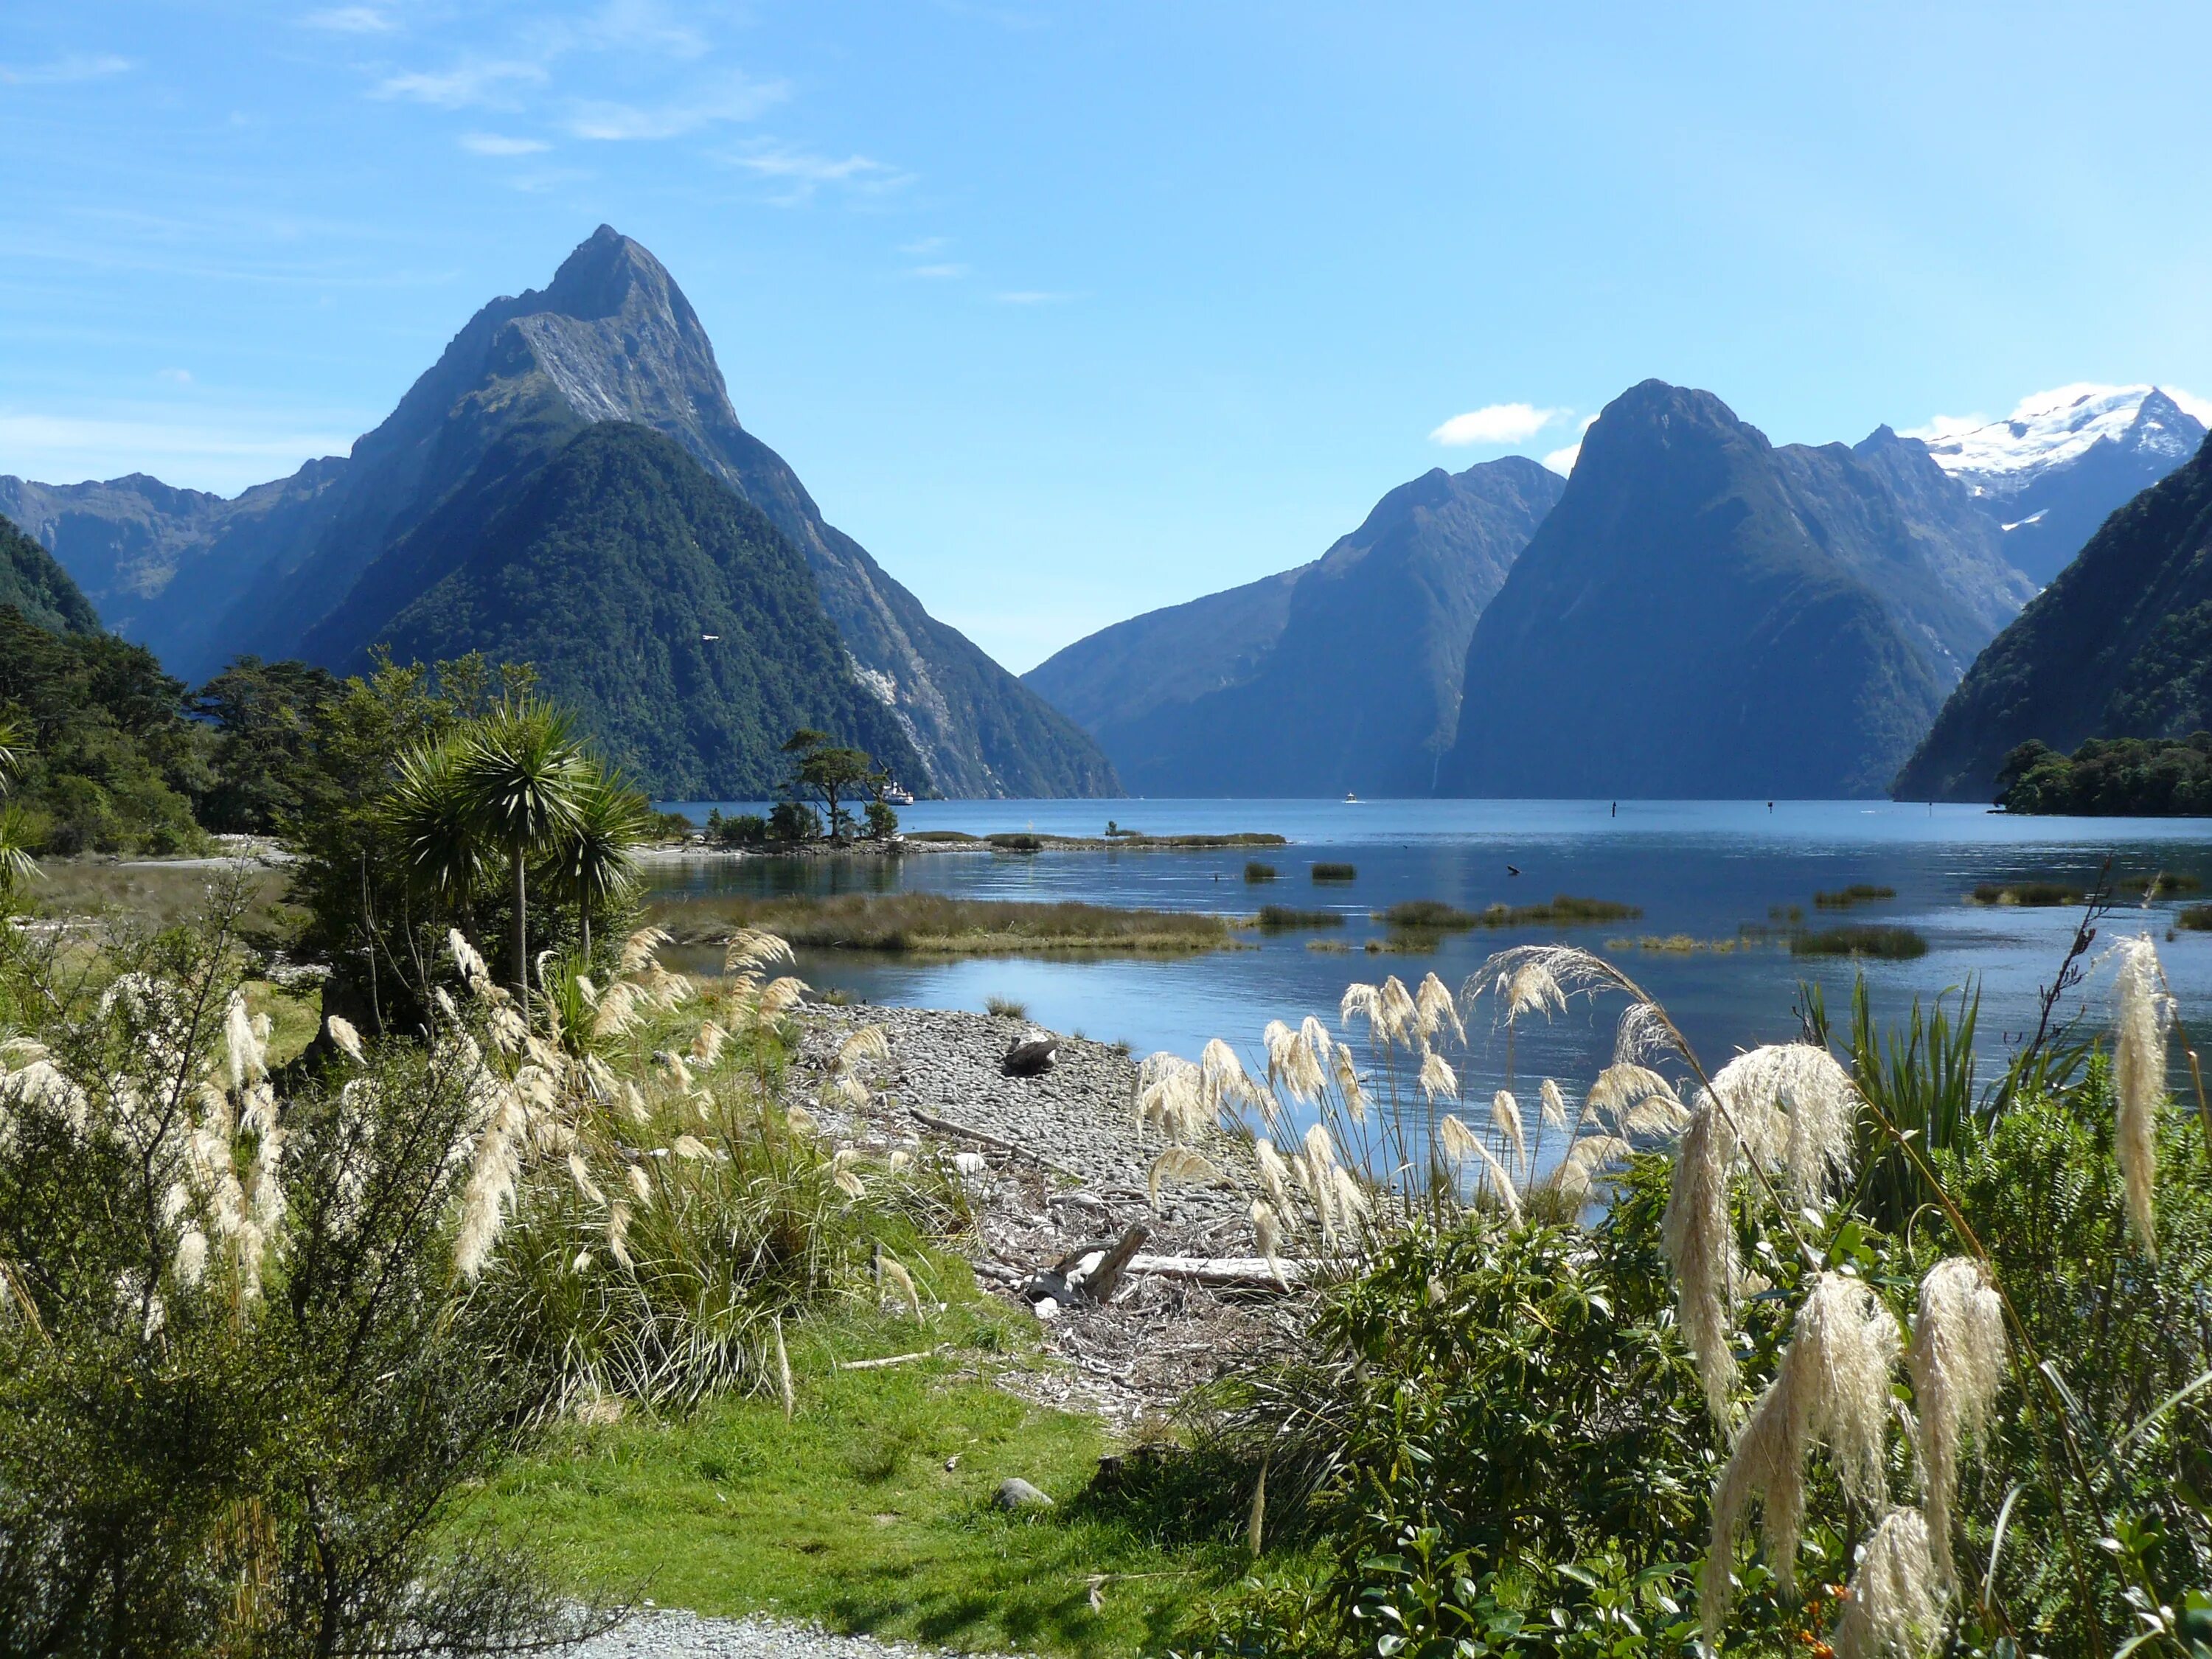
931, 924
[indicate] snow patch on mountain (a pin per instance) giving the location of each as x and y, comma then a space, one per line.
2050, 429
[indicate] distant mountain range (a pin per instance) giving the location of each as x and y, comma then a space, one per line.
1340, 675
327, 562
2119, 645
1705, 614
2052, 471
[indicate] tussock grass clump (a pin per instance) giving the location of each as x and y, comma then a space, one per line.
1889, 943
1564, 909
1276, 918
2035, 894
1859, 892
932, 924
1256, 871
1676, 944
1336, 872
2195, 918
1017, 843
1006, 1008
2164, 884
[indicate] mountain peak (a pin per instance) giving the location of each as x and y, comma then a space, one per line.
598, 279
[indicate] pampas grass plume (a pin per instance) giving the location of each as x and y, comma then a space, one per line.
1505, 1114
1177, 1164
346, 1039
2141, 1011
1956, 1361
1892, 1609
1700, 1245
1437, 1077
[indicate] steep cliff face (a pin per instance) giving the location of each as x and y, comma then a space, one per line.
611, 339
2119, 645
1704, 615
1359, 688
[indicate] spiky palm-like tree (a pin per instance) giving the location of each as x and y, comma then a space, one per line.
596, 863
432, 814
524, 776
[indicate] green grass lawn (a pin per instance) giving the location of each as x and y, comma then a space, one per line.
872, 1511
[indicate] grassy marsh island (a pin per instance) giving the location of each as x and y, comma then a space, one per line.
1859, 892
1127, 842
1888, 942
932, 924
1563, 910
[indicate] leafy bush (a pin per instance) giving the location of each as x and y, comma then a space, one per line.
738, 829
246, 1391
793, 820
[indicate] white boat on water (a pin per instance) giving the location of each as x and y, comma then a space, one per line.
1351, 800
894, 796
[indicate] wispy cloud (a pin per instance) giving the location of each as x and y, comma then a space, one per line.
922, 246
1495, 423
478, 81
737, 97
803, 172
223, 450
174, 376
1031, 296
350, 20
939, 273
645, 26
69, 67
498, 144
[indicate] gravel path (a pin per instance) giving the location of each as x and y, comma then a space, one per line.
686, 1636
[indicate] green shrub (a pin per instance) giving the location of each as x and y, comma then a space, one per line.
738, 829
793, 820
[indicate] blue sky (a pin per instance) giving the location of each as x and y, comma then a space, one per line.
1070, 311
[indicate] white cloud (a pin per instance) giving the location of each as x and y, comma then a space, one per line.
1562, 461
645, 26
739, 98
2190, 402
482, 82
69, 67
1495, 423
350, 20
923, 245
495, 144
940, 273
1030, 296
801, 173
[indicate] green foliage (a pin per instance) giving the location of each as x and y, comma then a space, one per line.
1564, 909
1889, 942
247, 1424
793, 820
739, 829
109, 762
38, 589
1256, 871
881, 820
2112, 777
681, 627
1326, 871
264, 715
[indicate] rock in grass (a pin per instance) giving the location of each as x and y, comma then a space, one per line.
1016, 1493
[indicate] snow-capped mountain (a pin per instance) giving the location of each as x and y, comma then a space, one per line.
2052, 471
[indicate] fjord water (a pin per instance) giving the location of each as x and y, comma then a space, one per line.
1695, 867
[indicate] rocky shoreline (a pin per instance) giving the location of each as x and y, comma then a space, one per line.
1058, 1163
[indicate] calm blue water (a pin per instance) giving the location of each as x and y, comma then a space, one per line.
1695, 867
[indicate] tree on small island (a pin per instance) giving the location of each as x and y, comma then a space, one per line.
834, 773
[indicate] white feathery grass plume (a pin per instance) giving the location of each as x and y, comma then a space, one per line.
1434, 1011
1314, 1036
1320, 1148
846, 1179
668, 989
506, 1030
580, 1263
1796, 1109
868, 1042
586, 989
617, 1011
1461, 1144
1400, 1016
1554, 1105
1892, 1608
1624, 1086
1267, 1236
248, 1058
783, 1373
1700, 1246
1348, 1084
751, 949
1436, 1076
496, 1162
634, 1103
849, 1087
1505, 1118
897, 1276
1171, 1096
1832, 1389
265, 1191
641, 1183
689, 1146
1956, 1360
639, 951
1644, 1034
1275, 1176
1533, 989
346, 1039
678, 1068
191, 1257
706, 1046
1177, 1164
601, 1076
445, 1003
799, 1119
1314, 1180
1347, 1197
257, 1113
581, 1173
2141, 1011
779, 996
466, 958
1224, 1084
1364, 1002
1575, 1175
